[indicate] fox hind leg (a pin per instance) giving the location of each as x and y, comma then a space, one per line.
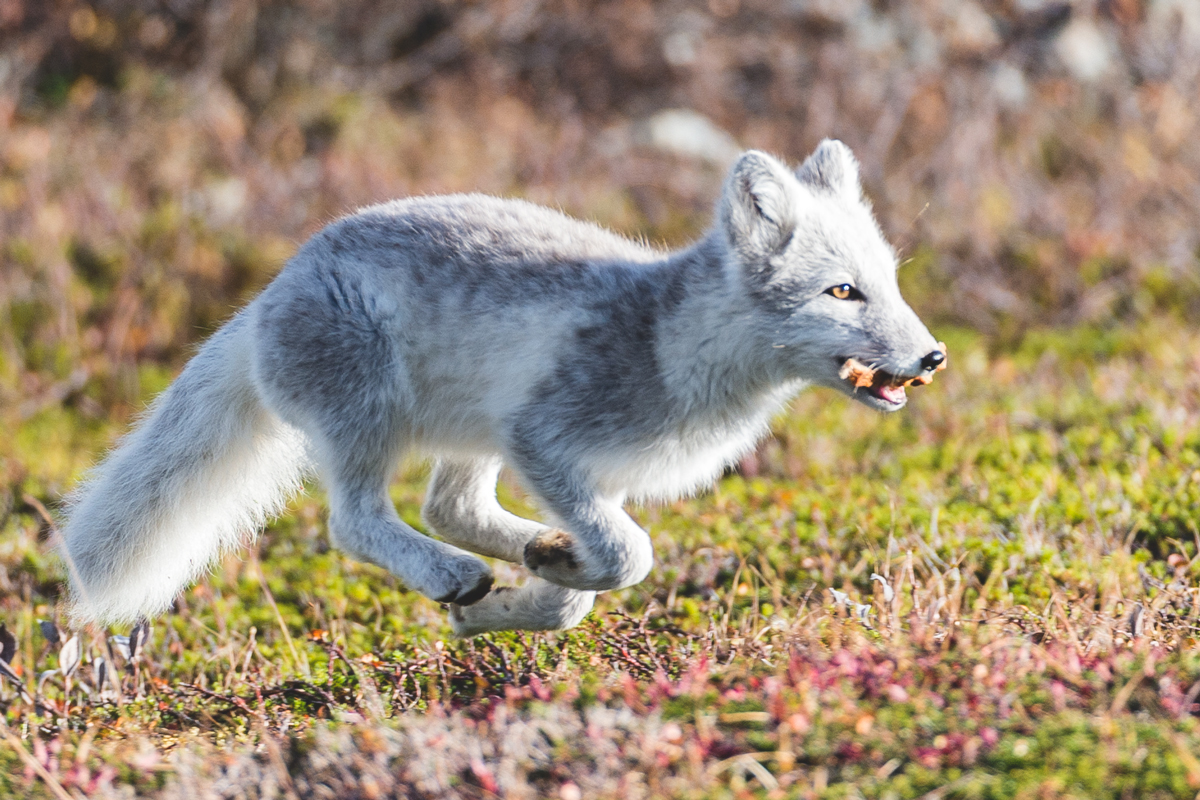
356, 462
364, 523
326, 362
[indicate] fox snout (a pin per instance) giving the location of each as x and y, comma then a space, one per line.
882, 389
934, 360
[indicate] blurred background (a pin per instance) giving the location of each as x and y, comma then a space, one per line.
1035, 161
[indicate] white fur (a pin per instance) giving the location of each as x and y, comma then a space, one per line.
129, 548
480, 332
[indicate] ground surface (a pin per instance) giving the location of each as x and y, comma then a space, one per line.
990, 594
1031, 517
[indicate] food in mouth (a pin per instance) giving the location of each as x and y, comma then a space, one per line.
885, 385
860, 373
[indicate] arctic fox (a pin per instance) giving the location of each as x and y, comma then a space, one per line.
483, 332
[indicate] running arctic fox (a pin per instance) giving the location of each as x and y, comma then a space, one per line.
483, 332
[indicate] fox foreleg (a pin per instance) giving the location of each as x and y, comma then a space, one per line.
598, 547
461, 506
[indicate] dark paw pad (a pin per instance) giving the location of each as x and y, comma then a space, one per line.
476, 594
550, 549
472, 595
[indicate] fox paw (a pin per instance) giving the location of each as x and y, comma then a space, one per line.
552, 548
494, 613
555, 556
464, 585
560, 558
536, 606
471, 595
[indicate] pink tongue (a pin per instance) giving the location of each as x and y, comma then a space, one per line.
893, 394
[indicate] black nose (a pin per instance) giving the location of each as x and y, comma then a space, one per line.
931, 360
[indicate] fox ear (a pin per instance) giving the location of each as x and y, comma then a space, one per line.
833, 168
757, 207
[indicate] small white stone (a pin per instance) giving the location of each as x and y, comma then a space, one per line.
1008, 82
973, 29
1084, 49
687, 133
680, 48
225, 199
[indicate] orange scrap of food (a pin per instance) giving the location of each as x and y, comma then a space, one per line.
863, 376
860, 373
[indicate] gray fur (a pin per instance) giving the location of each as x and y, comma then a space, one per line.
482, 331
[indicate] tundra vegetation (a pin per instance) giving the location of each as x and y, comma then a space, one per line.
992, 594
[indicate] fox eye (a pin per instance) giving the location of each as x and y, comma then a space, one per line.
845, 291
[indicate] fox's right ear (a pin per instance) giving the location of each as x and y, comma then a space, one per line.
757, 207
833, 168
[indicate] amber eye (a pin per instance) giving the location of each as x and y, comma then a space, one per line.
844, 292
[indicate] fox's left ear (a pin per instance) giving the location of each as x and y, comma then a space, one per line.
832, 168
757, 208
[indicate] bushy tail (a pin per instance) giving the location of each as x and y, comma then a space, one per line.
203, 470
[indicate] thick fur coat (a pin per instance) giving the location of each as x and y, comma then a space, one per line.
482, 332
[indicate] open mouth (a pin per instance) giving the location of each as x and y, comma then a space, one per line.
885, 386
878, 383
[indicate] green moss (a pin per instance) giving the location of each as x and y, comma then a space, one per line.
1019, 489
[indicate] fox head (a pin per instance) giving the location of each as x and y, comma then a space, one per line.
810, 256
